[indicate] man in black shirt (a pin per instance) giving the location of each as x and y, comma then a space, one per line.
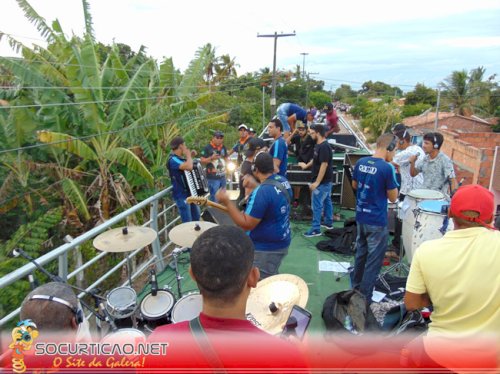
322, 177
303, 149
214, 157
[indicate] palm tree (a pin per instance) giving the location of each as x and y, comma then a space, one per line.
225, 68
466, 91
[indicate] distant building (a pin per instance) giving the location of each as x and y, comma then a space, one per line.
470, 142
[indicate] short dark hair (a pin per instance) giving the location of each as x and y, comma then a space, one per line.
263, 162
176, 142
320, 129
434, 138
221, 259
384, 140
50, 315
277, 123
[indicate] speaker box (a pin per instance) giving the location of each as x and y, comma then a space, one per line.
217, 216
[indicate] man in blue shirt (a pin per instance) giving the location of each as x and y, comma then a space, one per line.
180, 191
279, 149
214, 156
288, 114
267, 216
374, 180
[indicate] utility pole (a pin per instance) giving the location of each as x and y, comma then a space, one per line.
437, 110
304, 65
273, 92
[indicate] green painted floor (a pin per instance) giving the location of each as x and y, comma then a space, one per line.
302, 260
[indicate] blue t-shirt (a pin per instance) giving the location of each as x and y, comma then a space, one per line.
179, 187
279, 150
375, 177
270, 205
299, 112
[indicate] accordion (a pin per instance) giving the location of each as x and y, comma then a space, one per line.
196, 180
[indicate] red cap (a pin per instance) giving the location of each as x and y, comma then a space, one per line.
473, 197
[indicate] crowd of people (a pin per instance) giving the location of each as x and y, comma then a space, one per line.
457, 275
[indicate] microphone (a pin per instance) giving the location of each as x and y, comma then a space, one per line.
16, 252
153, 282
108, 318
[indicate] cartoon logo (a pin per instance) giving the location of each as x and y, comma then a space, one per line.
23, 336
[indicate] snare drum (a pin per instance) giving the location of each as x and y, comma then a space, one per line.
155, 310
187, 308
430, 223
408, 211
121, 303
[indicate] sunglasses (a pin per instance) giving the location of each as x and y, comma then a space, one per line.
302, 129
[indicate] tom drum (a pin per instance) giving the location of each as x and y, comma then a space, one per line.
187, 308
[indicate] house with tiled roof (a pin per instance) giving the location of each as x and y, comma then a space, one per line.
470, 142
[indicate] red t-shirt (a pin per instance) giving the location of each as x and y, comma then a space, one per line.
237, 343
332, 121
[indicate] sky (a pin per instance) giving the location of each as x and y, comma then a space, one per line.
401, 43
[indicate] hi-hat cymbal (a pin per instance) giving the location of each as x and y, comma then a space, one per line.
185, 234
125, 239
285, 291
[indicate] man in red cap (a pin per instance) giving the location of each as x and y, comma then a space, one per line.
458, 275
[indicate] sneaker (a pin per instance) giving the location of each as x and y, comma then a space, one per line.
329, 227
311, 233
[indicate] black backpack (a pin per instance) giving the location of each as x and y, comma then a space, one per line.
343, 240
347, 311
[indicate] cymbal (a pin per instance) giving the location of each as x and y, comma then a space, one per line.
119, 240
185, 234
285, 291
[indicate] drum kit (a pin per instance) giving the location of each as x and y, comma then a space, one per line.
268, 306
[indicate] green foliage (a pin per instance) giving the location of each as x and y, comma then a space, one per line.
319, 99
376, 89
421, 95
344, 92
381, 118
414, 110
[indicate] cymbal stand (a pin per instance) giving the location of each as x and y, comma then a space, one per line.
175, 253
129, 261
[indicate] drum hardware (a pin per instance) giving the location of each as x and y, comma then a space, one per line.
270, 303
185, 234
125, 239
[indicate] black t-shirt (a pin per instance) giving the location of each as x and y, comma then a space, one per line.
215, 169
322, 153
304, 149
245, 169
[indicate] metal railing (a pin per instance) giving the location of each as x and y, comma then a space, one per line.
61, 253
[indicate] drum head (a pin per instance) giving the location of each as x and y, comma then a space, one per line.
187, 308
124, 335
432, 206
426, 194
122, 298
157, 306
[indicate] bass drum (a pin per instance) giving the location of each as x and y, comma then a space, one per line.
155, 310
187, 308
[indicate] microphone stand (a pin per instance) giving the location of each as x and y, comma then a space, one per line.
56, 278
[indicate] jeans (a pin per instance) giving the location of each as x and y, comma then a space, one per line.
269, 262
214, 185
322, 204
371, 243
187, 212
282, 113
